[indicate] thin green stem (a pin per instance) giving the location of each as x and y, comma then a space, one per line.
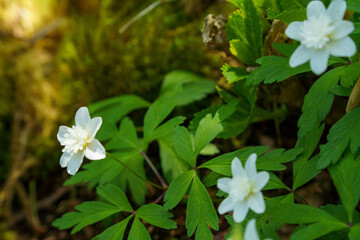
153, 168
130, 170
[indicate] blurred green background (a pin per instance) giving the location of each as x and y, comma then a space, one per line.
59, 55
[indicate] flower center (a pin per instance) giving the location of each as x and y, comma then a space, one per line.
75, 140
316, 31
240, 188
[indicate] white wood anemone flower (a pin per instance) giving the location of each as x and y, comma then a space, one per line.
249, 234
80, 141
244, 189
250, 231
324, 33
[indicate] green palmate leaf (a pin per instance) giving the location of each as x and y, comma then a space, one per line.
235, 26
224, 112
112, 110
353, 5
125, 139
298, 213
114, 232
350, 74
184, 146
318, 101
233, 74
357, 28
194, 87
136, 185
200, 211
236, 2
354, 230
157, 112
275, 183
344, 132
293, 4
347, 182
253, 27
303, 168
87, 213
286, 49
272, 160
288, 16
167, 127
171, 163
339, 212
138, 231
177, 189
274, 69
317, 230
244, 31
103, 171
209, 127
222, 164
211, 179
339, 90
210, 149
156, 215
115, 196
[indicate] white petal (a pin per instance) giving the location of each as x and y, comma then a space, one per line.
82, 117
93, 127
293, 31
62, 131
64, 159
226, 206
250, 166
342, 29
250, 231
260, 181
94, 150
224, 184
256, 203
240, 211
75, 162
315, 8
237, 168
301, 55
319, 60
343, 48
336, 10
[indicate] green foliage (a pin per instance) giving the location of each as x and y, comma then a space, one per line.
171, 163
270, 161
156, 215
304, 168
138, 231
288, 16
91, 212
184, 146
343, 133
347, 182
177, 189
200, 212
353, 5
244, 31
318, 102
277, 69
112, 110
209, 127
114, 232
233, 74
157, 112
194, 87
